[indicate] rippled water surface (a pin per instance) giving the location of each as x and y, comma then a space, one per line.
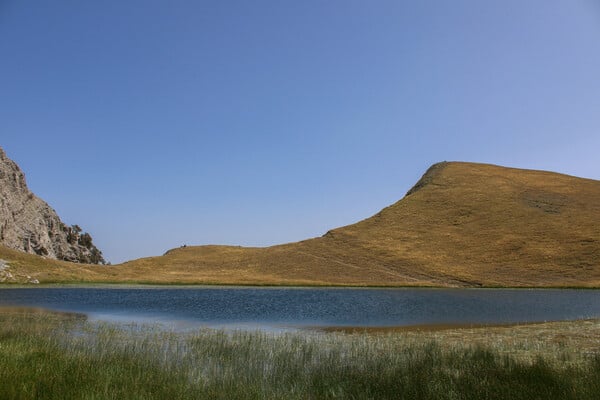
288, 308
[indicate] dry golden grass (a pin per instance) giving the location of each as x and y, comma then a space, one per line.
463, 224
563, 342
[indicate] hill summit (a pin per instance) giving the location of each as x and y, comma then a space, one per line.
29, 224
462, 224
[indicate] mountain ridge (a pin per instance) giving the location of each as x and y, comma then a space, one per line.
433, 235
461, 225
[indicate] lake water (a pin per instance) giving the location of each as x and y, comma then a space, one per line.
292, 308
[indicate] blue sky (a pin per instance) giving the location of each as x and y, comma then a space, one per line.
157, 123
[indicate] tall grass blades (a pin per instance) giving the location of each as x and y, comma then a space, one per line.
49, 356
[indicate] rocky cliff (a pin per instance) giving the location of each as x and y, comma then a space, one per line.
29, 224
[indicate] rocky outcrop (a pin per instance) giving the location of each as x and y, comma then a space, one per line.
29, 224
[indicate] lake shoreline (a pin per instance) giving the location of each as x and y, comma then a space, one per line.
175, 285
438, 327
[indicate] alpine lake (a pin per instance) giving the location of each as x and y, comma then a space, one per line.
292, 309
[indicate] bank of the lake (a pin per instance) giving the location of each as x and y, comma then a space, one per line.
57, 356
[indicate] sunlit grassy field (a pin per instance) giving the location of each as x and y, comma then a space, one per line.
58, 356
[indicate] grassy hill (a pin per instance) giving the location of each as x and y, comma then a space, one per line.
462, 224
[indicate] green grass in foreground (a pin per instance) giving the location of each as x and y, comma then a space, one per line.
56, 357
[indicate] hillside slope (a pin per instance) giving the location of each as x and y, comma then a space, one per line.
462, 224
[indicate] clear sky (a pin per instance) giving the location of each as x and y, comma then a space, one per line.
157, 123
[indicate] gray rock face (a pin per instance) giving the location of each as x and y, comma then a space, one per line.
29, 224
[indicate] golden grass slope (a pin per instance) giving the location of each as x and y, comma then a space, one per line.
463, 224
